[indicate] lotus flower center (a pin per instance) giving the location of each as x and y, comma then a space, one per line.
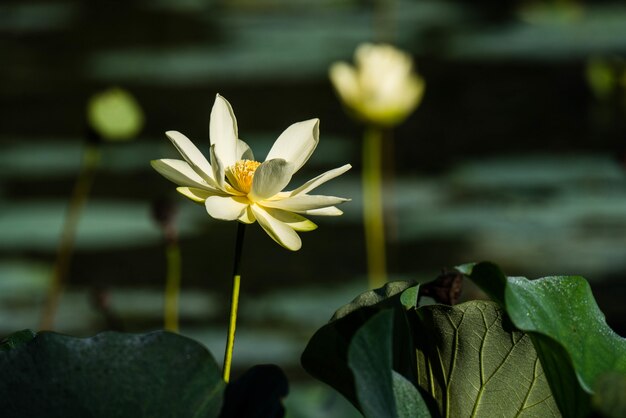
241, 173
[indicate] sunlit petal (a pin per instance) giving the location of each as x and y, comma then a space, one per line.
321, 179
191, 154
223, 130
199, 195
247, 217
270, 178
329, 211
304, 202
297, 222
218, 167
280, 232
179, 172
296, 143
225, 208
244, 152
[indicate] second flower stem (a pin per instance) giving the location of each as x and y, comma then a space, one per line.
373, 207
234, 303
172, 285
82, 187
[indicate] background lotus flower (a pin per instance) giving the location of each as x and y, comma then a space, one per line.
382, 88
234, 186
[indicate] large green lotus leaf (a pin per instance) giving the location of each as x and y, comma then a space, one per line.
326, 355
110, 375
574, 342
382, 392
474, 363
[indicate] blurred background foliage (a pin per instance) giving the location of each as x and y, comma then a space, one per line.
517, 155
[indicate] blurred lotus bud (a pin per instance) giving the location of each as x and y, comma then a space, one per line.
115, 115
601, 77
382, 88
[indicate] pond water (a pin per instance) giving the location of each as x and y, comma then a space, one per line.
510, 158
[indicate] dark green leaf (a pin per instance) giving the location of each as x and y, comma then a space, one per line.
16, 339
258, 393
370, 359
409, 401
381, 391
159, 374
326, 355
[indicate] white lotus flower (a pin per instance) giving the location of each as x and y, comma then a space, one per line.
382, 88
233, 186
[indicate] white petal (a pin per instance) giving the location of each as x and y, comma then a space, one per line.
218, 167
304, 202
247, 217
321, 179
280, 232
329, 211
244, 152
191, 154
179, 172
225, 208
295, 221
296, 143
344, 79
223, 130
270, 178
198, 195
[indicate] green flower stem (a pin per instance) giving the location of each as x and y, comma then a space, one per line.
373, 207
89, 166
234, 303
172, 285
384, 21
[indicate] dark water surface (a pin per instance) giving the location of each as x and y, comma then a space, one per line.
510, 158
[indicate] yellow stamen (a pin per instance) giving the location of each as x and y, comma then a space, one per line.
241, 173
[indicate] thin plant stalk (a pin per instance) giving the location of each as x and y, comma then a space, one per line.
234, 303
172, 285
373, 216
80, 194
384, 21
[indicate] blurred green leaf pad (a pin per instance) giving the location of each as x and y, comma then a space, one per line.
158, 374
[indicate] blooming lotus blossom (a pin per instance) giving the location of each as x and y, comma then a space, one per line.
382, 88
234, 186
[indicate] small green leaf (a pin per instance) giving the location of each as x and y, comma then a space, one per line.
369, 358
326, 355
16, 339
488, 277
381, 298
409, 401
410, 296
110, 375
475, 364
381, 391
